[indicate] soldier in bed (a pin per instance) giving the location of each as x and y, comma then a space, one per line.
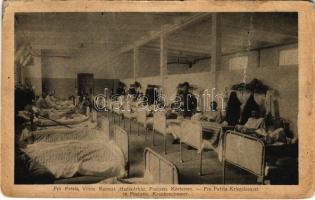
273, 132
254, 123
212, 115
41, 102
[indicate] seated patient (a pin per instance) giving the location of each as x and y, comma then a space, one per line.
41, 102
52, 96
50, 101
274, 132
254, 123
54, 102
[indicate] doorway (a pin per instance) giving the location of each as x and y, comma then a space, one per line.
85, 84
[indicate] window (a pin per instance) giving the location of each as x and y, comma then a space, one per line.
288, 57
238, 63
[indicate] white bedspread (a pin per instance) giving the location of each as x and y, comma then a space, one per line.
68, 152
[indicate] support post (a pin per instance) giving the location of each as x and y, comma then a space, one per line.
200, 172
153, 137
163, 58
165, 144
216, 38
223, 171
180, 152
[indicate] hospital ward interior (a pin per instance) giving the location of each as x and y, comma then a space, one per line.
156, 98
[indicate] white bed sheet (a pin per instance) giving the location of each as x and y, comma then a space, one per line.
66, 158
65, 152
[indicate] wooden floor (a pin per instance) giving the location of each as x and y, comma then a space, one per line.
189, 170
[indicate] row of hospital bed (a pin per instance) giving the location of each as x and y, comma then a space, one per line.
79, 151
90, 148
235, 148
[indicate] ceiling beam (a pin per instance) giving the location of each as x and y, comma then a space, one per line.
163, 58
168, 29
184, 47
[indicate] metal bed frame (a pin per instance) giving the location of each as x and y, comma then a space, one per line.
191, 134
160, 126
142, 120
158, 166
244, 151
121, 139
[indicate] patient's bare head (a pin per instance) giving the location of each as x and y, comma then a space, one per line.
254, 114
52, 92
44, 95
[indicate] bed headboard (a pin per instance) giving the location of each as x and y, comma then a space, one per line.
159, 122
191, 133
141, 116
121, 139
104, 126
244, 151
94, 117
160, 170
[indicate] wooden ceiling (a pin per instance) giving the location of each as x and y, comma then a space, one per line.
71, 33
240, 32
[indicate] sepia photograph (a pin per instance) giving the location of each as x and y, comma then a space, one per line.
156, 98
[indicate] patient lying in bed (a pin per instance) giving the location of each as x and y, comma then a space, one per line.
271, 134
51, 117
51, 102
253, 124
212, 115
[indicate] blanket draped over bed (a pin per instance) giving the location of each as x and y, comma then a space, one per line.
75, 119
65, 153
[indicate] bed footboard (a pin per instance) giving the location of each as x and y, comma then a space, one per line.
104, 125
245, 152
159, 125
159, 169
191, 134
121, 139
